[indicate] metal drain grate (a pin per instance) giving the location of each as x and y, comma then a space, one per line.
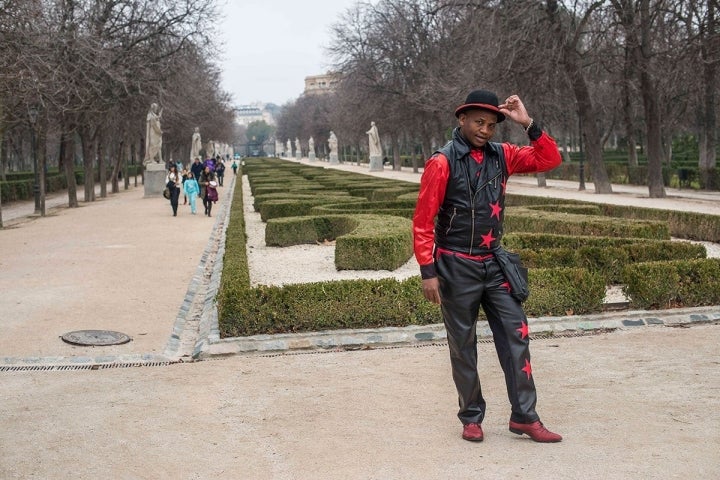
65, 368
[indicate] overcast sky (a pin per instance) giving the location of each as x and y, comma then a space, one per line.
272, 45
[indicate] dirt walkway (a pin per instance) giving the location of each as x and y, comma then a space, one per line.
637, 403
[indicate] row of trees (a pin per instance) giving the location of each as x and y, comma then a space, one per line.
90, 69
640, 70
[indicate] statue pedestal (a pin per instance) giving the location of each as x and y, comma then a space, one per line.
154, 179
376, 163
311, 157
334, 159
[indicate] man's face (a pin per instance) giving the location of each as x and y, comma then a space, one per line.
477, 126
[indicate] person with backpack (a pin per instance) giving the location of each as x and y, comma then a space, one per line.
208, 191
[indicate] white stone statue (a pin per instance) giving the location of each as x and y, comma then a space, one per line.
196, 145
298, 150
153, 136
288, 148
210, 149
311, 149
374, 139
333, 142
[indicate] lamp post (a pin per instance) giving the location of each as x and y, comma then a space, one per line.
32, 115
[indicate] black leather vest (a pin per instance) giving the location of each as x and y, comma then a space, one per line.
470, 220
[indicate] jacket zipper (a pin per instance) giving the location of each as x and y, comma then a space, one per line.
447, 232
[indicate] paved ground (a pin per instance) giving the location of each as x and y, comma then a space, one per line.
640, 402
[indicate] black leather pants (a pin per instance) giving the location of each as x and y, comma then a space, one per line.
465, 286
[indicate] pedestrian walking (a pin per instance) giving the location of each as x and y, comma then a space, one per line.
192, 190
220, 172
206, 177
173, 183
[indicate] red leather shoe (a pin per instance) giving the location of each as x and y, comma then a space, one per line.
472, 432
536, 431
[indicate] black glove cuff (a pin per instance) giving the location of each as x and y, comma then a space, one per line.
428, 271
534, 131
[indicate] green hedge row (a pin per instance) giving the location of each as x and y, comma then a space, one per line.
19, 186
609, 261
386, 303
595, 250
527, 219
657, 285
363, 242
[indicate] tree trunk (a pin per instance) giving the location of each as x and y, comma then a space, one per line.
708, 137
116, 168
654, 140
565, 149
102, 166
397, 161
627, 112
67, 156
126, 154
86, 139
591, 135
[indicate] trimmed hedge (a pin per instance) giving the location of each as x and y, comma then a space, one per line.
387, 303
523, 219
657, 285
602, 244
19, 185
606, 256
364, 242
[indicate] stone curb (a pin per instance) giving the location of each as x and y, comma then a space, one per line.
413, 335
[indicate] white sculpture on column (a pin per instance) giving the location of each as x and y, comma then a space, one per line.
311, 149
333, 145
153, 136
376, 162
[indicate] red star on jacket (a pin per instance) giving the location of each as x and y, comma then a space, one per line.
487, 239
524, 330
527, 368
506, 285
496, 209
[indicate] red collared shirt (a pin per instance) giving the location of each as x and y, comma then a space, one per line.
542, 155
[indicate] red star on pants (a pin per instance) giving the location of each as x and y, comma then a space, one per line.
524, 330
496, 209
527, 369
506, 285
487, 239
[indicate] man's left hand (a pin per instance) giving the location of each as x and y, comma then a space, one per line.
514, 109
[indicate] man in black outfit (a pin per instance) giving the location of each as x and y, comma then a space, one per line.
462, 263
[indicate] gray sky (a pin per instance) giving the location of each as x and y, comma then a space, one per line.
270, 46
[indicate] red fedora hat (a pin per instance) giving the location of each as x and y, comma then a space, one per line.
481, 99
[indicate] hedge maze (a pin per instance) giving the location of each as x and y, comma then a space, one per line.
574, 250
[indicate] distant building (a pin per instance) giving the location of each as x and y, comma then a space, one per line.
246, 114
319, 84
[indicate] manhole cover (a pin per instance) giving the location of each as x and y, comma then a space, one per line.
95, 337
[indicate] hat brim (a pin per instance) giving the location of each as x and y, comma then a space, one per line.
480, 106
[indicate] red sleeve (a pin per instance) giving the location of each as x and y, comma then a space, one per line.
432, 192
542, 155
